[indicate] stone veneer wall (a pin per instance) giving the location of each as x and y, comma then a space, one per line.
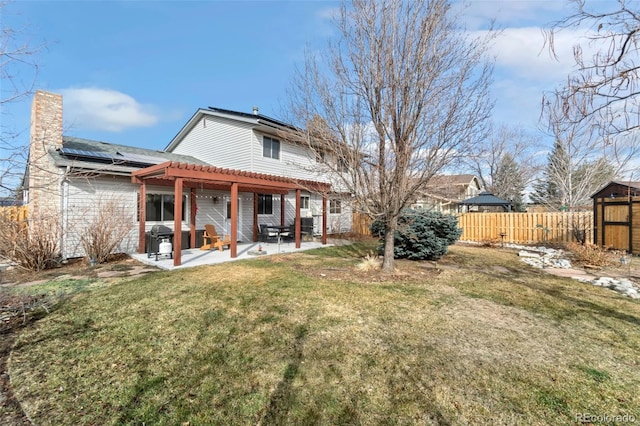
46, 135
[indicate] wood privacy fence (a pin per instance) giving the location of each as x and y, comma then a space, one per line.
527, 228
17, 214
360, 224
518, 228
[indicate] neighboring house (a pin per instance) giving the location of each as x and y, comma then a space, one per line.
218, 156
444, 193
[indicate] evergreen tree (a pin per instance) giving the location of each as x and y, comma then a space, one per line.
546, 190
567, 183
509, 182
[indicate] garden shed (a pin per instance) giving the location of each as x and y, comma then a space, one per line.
616, 216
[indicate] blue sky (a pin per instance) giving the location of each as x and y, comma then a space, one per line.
133, 72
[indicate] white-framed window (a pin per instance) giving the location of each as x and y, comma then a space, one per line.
342, 165
335, 206
270, 148
265, 204
305, 201
160, 207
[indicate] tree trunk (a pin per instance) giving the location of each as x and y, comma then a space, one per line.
389, 235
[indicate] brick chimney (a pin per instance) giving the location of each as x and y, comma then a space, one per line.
45, 136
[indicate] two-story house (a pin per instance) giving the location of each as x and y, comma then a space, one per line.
223, 167
444, 193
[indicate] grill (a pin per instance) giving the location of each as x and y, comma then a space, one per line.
156, 235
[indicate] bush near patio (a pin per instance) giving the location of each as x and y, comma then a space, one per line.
421, 235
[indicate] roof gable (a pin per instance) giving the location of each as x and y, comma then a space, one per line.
257, 121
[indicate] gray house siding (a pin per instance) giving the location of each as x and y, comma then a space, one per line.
295, 161
82, 198
220, 142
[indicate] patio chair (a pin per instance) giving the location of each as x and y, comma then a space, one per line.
221, 242
290, 234
210, 234
266, 236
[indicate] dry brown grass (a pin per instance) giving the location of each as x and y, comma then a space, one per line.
476, 338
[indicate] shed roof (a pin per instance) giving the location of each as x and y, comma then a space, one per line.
613, 188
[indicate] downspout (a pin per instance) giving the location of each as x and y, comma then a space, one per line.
64, 204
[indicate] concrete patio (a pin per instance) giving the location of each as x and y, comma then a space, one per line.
196, 257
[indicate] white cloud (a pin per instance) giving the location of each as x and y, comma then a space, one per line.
92, 108
479, 13
523, 52
328, 13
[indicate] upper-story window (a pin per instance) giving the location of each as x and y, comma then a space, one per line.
335, 206
270, 148
304, 201
342, 165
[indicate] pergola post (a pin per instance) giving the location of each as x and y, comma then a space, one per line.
324, 219
282, 200
234, 220
192, 227
177, 223
298, 221
255, 217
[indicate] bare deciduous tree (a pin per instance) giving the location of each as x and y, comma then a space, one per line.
18, 70
107, 227
506, 163
579, 164
401, 95
604, 90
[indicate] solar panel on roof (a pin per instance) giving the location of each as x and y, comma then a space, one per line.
117, 158
142, 159
87, 154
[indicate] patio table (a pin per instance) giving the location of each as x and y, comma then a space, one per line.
279, 229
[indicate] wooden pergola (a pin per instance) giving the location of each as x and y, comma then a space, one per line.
192, 176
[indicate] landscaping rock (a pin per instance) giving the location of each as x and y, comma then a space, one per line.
524, 253
546, 258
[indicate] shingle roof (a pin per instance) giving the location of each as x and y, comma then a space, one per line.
444, 180
251, 116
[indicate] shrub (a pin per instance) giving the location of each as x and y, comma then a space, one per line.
591, 254
370, 262
32, 243
421, 235
106, 230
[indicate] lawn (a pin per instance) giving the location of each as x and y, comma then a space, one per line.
307, 338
